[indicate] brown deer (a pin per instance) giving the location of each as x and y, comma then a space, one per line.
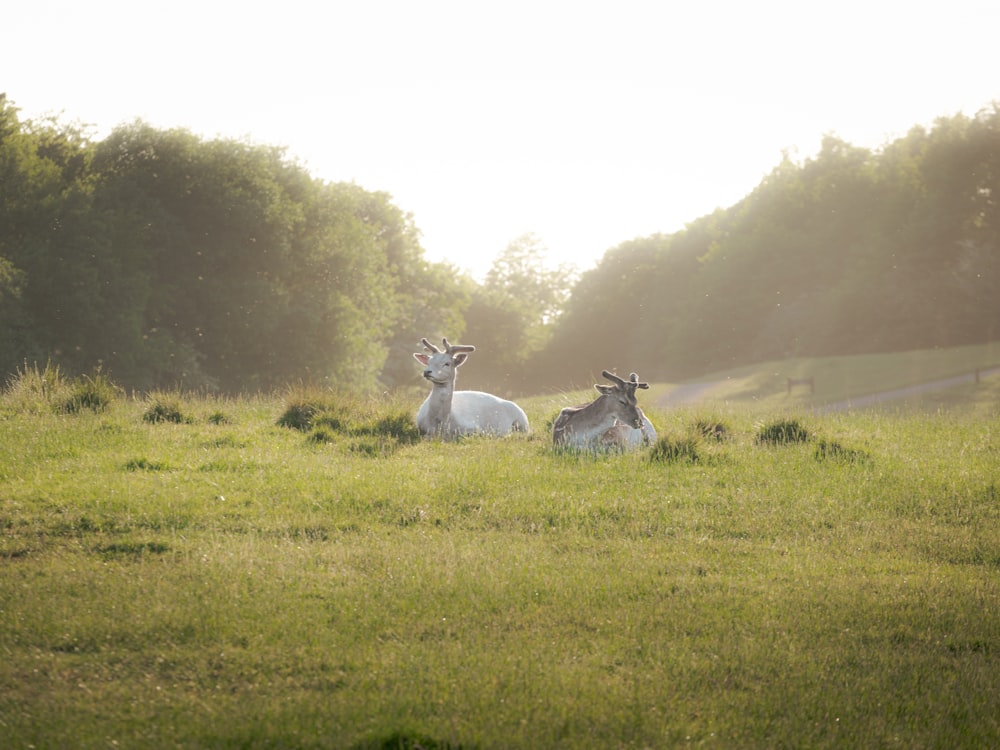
613, 419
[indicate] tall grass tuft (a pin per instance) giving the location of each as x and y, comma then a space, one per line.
371, 429
832, 450
31, 390
164, 407
397, 425
782, 432
675, 450
309, 406
94, 392
711, 429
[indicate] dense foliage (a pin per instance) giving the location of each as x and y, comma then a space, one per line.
850, 252
168, 260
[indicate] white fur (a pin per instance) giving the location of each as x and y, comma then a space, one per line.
449, 413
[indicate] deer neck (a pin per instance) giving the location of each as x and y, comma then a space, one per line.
588, 421
439, 400
596, 415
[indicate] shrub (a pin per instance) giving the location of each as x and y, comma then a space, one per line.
782, 432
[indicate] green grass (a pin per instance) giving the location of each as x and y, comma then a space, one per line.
224, 581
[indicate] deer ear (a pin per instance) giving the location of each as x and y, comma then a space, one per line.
460, 358
422, 358
605, 389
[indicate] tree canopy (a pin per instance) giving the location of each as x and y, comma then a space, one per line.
852, 251
174, 261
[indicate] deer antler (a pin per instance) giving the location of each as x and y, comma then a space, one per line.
632, 382
634, 378
457, 347
430, 347
613, 378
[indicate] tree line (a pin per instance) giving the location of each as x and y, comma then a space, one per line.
172, 261
852, 251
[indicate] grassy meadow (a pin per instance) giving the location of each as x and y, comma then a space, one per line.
299, 570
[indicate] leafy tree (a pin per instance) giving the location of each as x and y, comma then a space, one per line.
169, 260
610, 309
851, 251
37, 201
511, 315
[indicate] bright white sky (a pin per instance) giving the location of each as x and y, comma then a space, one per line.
585, 123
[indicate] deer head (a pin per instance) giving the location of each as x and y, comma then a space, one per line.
440, 364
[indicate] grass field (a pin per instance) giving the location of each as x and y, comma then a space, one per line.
183, 571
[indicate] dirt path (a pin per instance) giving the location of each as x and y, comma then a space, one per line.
911, 390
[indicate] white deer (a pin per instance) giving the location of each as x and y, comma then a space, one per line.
612, 420
449, 413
